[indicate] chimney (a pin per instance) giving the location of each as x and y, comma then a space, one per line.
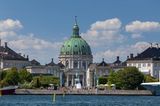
0, 42
131, 55
127, 57
117, 58
27, 57
52, 60
5, 43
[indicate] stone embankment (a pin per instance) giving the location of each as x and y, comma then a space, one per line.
82, 92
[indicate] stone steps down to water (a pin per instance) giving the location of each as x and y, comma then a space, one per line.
81, 92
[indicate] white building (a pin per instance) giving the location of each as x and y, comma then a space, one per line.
9, 58
147, 62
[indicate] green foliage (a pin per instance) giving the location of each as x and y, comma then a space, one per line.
45, 81
148, 78
102, 80
129, 78
2, 75
25, 76
12, 77
27, 85
112, 77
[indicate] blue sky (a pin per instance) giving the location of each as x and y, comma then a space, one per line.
39, 27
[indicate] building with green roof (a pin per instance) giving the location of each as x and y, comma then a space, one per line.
75, 55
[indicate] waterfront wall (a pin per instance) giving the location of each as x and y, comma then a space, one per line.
81, 92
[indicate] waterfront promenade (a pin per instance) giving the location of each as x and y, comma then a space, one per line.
82, 92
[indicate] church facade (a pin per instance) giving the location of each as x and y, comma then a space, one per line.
75, 55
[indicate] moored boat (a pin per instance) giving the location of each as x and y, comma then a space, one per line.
8, 90
154, 87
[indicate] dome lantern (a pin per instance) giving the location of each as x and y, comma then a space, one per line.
75, 29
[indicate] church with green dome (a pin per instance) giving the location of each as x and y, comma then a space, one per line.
75, 55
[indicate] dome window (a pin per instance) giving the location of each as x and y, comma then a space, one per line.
83, 46
75, 45
68, 45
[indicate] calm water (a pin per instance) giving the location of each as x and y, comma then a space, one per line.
73, 100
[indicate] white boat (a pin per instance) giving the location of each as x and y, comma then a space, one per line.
8, 90
154, 87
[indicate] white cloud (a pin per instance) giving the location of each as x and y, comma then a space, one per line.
138, 27
9, 24
104, 32
31, 42
109, 24
27, 44
123, 51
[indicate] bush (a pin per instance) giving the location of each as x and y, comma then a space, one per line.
102, 80
129, 78
44, 81
12, 77
25, 76
148, 78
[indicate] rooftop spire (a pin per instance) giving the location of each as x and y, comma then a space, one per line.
76, 20
75, 29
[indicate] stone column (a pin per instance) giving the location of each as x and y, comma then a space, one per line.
72, 81
78, 64
83, 80
67, 79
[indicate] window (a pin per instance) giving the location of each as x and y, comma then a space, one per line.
75, 52
68, 45
84, 64
75, 45
139, 65
75, 64
149, 64
144, 64
67, 52
67, 63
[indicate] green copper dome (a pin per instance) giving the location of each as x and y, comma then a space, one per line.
75, 45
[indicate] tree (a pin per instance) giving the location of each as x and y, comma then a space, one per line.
129, 78
148, 78
25, 76
102, 80
2, 75
12, 77
112, 77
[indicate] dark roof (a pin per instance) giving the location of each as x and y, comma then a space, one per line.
8, 54
35, 62
117, 61
149, 53
51, 63
61, 65
103, 63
